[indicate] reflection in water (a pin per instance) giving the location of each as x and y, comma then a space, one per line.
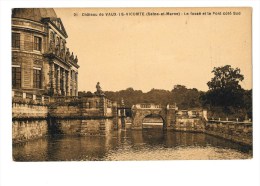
131, 145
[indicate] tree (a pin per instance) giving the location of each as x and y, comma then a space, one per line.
186, 98
225, 77
224, 87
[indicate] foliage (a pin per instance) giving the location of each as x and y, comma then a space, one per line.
182, 96
224, 88
186, 98
225, 96
225, 77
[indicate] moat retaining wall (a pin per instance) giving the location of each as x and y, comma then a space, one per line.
240, 132
24, 130
29, 121
35, 119
81, 127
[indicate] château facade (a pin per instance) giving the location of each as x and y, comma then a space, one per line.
41, 62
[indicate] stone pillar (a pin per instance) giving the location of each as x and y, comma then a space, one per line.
170, 118
76, 82
58, 81
52, 79
24, 95
115, 115
68, 85
64, 82
72, 83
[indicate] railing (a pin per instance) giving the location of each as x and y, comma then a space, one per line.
230, 120
198, 113
18, 94
64, 98
148, 106
29, 98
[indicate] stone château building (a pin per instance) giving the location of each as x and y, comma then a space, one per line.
41, 62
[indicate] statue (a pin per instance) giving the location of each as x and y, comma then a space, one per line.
67, 55
98, 87
72, 57
76, 59
57, 50
62, 51
99, 91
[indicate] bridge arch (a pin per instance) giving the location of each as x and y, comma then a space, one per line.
153, 120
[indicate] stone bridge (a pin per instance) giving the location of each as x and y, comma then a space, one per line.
140, 111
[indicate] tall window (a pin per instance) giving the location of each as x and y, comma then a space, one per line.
37, 43
16, 77
37, 78
16, 40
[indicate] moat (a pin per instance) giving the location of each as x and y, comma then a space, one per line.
150, 144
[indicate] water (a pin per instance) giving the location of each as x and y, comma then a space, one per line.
131, 145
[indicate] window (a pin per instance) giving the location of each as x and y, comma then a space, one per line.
36, 78
37, 43
16, 77
16, 40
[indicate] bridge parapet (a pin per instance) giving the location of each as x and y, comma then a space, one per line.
147, 106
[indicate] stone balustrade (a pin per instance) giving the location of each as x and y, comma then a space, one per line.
29, 98
148, 106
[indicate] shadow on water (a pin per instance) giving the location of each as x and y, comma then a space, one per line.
75, 148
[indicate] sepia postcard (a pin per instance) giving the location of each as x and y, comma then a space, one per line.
116, 84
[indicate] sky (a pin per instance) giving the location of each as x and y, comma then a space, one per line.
145, 52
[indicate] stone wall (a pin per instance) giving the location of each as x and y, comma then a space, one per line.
190, 124
29, 111
240, 132
65, 111
24, 130
81, 127
190, 120
29, 121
